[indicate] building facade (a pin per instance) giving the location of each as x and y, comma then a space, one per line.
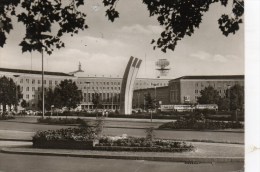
30, 83
108, 88
187, 89
160, 94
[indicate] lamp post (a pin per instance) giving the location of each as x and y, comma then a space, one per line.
87, 94
229, 104
16, 92
52, 106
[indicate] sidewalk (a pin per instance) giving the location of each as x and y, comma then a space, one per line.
205, 153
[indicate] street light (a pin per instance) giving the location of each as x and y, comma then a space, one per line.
87, 94
52, 106
229, 97
16, 92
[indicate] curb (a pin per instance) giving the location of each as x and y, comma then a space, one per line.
16, 140
189, 160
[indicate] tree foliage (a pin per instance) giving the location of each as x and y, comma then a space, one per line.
209, 96
96, 101
178, 18
236, 97
66, 94
10, 93
149, 102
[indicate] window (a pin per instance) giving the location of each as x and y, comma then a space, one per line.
33, 81
27, 88
50, 82
39, 81
27, 81
27, 96
196, 91
44, 82
21, 81
107, 83
39, 89
21, 88
33, 96
33, 88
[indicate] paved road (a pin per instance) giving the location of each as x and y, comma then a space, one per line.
35, 163
30, 127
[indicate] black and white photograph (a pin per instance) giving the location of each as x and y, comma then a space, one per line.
129, 86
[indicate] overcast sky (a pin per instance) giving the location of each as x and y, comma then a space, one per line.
105, 47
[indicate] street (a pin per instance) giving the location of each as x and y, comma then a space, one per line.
36, 163
25, 128
28, 124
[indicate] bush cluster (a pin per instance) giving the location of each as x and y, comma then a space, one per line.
213, 115
68, 134
142, 144
200, 124
5, 116
49, 120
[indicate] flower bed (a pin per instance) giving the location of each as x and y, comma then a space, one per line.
201, 124
71, 138
142, 144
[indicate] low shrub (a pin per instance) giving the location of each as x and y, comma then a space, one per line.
142, 144
69, 134
49, 120
201, 124
5, 116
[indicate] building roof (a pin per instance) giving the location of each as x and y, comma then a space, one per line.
211, 77
33, 72
99, 77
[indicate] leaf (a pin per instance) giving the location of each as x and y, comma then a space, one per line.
2, 39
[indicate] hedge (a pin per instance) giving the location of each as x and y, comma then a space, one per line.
201, 124
49, 120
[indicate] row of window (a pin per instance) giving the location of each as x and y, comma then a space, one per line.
219, 91
219, 84
108, 88
39, 81
100, 83
33, 89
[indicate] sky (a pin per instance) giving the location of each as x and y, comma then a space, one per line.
105, 47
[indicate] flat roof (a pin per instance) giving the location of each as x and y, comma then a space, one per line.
33, 72
100, 77
211, 77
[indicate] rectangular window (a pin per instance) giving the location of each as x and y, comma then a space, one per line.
50, 82
44, 82
39, 81
27, 96
27, 81
33, 81
21, 81
27, 88
33, 88
33, 96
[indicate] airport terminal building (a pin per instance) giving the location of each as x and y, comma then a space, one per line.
187, 89
107, 87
